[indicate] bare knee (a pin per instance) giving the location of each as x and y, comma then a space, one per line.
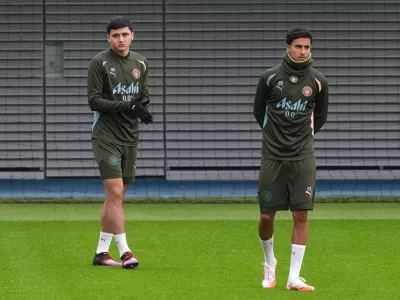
267, 218
115, 194
300, 217
115, 191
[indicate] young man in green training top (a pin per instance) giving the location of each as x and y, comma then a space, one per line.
118, 94
290, 105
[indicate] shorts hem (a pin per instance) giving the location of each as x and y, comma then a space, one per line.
298, 208
269, 210
110, 177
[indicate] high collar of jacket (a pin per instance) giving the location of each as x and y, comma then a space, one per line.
298, 68
114, 53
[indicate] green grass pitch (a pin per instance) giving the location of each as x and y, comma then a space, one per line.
196, 251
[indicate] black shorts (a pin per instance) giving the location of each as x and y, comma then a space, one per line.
115, 161
286, 185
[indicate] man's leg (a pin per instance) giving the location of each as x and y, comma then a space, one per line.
299, 239
300, 227
301, 189
266, 231
107, 156
112, 221
128, 261
112, 217
128, 162
272, 196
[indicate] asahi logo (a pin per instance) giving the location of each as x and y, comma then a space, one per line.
291, 107
121, 89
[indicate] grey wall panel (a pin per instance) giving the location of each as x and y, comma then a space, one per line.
216, 51
81, 27
21, 93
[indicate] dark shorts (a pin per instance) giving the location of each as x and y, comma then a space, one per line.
115, 161
286, 185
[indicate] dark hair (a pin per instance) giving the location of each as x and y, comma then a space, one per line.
118, 22
296, 33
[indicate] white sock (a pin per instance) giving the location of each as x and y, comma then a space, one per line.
120, 239
268, 248
296, 260
104, 242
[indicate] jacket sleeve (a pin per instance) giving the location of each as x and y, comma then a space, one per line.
95, 91
145, 91
321, 107
260, 101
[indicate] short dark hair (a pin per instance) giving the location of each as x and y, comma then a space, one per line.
118, 22
296, 33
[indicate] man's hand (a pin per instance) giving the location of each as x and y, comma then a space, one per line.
145, 102
138, 110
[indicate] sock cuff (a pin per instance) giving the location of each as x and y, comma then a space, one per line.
106, 234
299, 246
270, 240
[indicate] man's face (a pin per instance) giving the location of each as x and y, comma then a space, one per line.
120, 39
299, 49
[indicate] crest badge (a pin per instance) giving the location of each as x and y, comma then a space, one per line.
307, 91
136, 73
